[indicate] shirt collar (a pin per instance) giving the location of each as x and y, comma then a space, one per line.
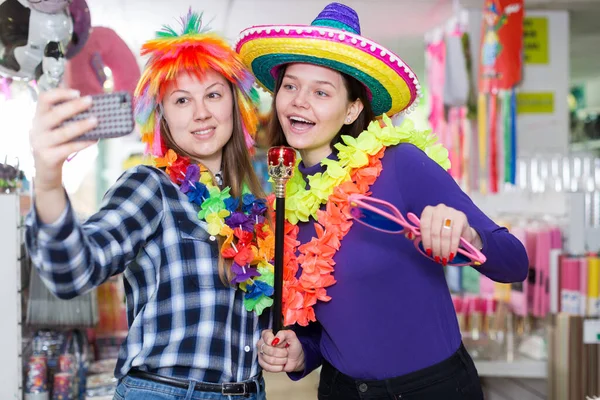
315, 169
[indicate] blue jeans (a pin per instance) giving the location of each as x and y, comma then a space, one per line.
138, 389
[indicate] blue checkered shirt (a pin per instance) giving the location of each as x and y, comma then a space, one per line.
183, 322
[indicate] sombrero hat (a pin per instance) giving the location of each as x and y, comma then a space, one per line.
332, 40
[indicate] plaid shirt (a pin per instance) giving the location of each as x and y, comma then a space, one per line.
183, 321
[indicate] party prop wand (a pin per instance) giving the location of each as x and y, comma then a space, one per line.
281, 167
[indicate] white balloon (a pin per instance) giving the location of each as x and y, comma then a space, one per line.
47, 6
43, 28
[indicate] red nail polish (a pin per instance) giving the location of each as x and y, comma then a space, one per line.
287, 345
429, 252
410, 236
437, 259
451, 257
275, 342
444, 261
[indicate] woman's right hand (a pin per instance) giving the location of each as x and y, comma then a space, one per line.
281, 353
51, 144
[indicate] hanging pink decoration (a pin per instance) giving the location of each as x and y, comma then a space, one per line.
5, 87
104, 48
436, 58
500, 69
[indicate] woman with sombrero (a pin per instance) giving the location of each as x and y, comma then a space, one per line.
369, 307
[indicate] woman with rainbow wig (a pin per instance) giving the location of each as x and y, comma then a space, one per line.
189, 233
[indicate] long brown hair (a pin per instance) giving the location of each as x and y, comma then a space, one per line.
355, 89
236, 169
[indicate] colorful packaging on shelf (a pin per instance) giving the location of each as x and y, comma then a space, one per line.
570, 285
67, 363
63, 386
37, 375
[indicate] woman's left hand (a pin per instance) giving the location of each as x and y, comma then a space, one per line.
441, 230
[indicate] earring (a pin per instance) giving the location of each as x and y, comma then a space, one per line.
348, 120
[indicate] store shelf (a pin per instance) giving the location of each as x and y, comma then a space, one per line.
512, 369
588, 145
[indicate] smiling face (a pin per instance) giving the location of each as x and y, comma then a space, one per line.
199, 115
312, 106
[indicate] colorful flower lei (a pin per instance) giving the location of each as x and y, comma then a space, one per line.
249, 241
301, 204
358, 167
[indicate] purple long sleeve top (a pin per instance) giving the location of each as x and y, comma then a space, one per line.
391, 312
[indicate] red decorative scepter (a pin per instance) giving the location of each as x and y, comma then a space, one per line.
282, 161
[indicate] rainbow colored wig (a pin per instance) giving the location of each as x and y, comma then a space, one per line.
194, 51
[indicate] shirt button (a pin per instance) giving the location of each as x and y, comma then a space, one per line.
247, 349
363, 387
212, 238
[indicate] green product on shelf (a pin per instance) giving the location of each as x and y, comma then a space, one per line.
470, 280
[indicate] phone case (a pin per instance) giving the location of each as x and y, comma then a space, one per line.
114, 112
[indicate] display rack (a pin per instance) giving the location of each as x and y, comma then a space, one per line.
585, 146
11, 254
521, 368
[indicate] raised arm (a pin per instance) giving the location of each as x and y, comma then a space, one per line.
422, 183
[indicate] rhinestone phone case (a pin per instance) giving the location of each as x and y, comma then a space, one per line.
114, 112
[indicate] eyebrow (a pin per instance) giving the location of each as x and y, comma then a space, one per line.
215, 84
187, 92
178, 90
318, 82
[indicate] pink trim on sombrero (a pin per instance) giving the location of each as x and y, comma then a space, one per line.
335, 35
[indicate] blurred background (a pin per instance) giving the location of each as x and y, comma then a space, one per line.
527, 151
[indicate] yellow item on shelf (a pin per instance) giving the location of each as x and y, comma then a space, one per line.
502, 291
593, 308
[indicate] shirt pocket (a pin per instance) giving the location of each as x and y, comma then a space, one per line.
200, 256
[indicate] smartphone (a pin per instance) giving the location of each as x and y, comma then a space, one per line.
114, 112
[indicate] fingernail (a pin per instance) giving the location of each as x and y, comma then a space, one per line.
275, 342
93, 120
437, 259
287, 345
429, 252
87, 99
451, 257
444, 261
75, 93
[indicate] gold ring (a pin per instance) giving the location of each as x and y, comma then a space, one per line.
447, 223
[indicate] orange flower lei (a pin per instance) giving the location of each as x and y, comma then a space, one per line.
316, 257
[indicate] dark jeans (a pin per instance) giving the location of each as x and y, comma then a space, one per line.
452, 379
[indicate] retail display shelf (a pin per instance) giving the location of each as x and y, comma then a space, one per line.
586, 145
520, 368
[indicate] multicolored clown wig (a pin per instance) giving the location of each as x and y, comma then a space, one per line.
194, 51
